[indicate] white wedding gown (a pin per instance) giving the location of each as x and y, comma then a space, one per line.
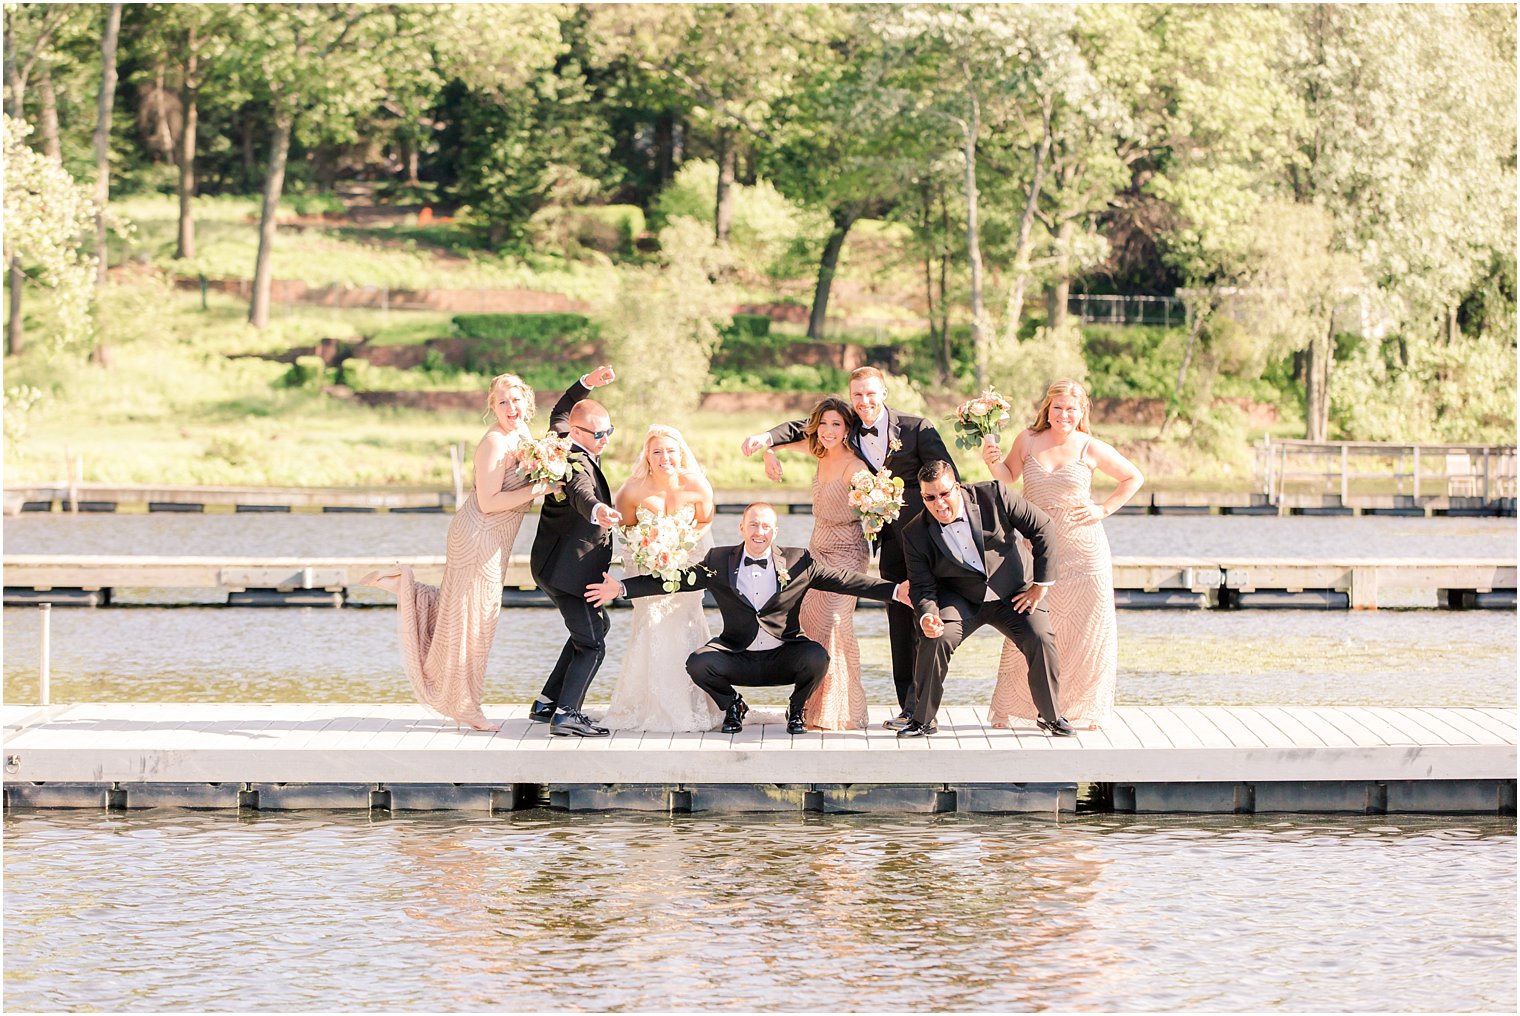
653, 691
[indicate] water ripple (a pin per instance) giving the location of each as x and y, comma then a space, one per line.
174, 911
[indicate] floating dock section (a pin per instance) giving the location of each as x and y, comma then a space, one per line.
1139, 582
1238, 760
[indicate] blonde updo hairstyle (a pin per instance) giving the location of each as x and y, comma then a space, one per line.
829, 402
1064, 387
500, 383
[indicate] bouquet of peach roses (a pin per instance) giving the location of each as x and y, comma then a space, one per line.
546, 460
661, 544
877, 498
977, 418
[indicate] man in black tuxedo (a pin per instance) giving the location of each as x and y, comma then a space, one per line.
964, 571
759, 588
573, 547
903, 444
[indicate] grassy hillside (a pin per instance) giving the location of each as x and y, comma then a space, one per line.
171, 406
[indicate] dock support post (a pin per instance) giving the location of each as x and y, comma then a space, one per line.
44, 654
1364, 588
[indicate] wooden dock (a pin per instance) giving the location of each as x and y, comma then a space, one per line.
110, 498
397, 757
88, 580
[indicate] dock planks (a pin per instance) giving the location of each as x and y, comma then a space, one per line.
403, 744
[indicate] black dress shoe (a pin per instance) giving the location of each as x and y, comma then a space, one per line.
916, 729
573, 721
733, 719
898, 722
1057, 728
794, 724
541, 712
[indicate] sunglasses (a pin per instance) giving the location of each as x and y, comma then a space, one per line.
945, 497
596, 435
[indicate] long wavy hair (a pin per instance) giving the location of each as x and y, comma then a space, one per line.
838, 405
504, 381
688, 463
1064, 387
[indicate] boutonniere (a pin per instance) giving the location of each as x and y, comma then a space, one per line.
782, 575
894, 445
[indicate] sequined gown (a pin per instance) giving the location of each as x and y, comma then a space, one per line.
653, 690
1081, 606
446, 630
839, 703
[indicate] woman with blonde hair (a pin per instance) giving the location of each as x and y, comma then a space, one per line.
653, 691
839, 702
446, 630
1057, 458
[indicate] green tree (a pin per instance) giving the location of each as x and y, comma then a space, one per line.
316, 67
661, 327
48, 218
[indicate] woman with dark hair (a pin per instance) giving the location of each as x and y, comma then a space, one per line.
1057, 457
839, 703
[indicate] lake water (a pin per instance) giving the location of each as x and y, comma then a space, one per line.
184, 911
178, 911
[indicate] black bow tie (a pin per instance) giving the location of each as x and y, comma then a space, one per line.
869, 430
758, 562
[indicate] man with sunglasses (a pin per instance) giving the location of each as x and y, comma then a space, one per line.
964, 571
571, 550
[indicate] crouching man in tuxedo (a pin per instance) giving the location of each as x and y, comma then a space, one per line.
759, 588
964, 572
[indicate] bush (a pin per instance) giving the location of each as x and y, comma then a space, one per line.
516, 333
769, 233
609, 229
313, 204
1022, 372
306, 372
797, 377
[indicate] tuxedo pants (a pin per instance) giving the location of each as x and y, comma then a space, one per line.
584, 650
902, 628
801, 664
1030, 632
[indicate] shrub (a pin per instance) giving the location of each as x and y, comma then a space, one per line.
516, 333
306, 372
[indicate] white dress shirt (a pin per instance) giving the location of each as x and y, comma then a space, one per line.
875, 445
757, 585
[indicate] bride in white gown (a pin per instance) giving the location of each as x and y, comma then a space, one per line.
653, 691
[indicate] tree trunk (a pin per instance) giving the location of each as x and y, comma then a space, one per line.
723, 214
1195, 325
1317, 387
941, 350
1024, 246
413, 163
105, 101
190, 101
48, 129
13, 335
274, 184
972, 128
843, 220
1060, 290
664, 148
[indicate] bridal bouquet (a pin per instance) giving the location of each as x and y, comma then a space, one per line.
877, 498
977, 418
660, 545
546, 460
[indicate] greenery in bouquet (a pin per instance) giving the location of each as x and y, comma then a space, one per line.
546, 460
877, 498
661, 545
976, 418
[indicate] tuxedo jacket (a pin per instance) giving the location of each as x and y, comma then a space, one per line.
719, 573
912, 441
998, 517
570, 551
